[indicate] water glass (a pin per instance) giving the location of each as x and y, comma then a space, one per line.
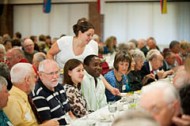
112, 107
120, 106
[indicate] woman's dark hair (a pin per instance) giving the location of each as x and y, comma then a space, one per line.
122, 56
184, 93
173, 44
6, 41
82, 20
82, 26
16, 42
70, 65
18, 35
32, 37
4, 71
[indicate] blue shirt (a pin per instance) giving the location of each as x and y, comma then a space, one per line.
121, 85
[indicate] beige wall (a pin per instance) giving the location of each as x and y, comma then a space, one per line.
7, 24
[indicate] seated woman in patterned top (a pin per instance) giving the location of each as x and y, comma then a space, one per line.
73, 75
117, 77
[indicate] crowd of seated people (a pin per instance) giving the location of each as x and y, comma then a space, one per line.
32, 69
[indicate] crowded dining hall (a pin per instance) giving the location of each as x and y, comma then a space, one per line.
95, 63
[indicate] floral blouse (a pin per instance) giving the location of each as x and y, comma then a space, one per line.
76, 100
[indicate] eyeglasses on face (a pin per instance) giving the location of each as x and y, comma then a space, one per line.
51, 73
26, 46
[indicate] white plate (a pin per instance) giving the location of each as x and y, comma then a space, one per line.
123, 94
105, 118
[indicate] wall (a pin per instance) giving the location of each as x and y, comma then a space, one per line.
33, 21
29, 19
144, 19
6, 19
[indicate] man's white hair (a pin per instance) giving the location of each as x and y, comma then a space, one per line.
169, 91
20, 71
137, 54
44, 64
181, 78
3, 82
152, 54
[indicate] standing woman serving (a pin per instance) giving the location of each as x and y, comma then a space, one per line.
78, 47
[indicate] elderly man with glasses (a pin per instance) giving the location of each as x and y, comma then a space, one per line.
49, 96
28, 48
16, 105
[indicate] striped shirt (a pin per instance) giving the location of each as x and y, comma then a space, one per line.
51, 104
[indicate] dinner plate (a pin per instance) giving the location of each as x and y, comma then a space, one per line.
125, 94
105, 118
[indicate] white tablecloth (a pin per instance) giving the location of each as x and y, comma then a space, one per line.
103, 117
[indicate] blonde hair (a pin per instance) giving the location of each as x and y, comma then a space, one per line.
184, 45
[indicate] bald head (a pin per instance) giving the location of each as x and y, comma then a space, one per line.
28, 46
141, 43
13, 56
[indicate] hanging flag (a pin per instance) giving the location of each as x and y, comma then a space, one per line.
47, 6
100, 6
163, 4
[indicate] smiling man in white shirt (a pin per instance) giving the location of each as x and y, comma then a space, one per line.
92, 85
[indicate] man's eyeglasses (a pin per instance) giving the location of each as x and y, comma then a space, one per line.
26, 46
51, 73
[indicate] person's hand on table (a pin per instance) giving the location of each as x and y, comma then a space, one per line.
166, 73
160, 74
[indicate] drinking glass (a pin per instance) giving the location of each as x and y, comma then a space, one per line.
112, 107
120, 106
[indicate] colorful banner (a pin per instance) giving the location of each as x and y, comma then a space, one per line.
163, 4
47, 6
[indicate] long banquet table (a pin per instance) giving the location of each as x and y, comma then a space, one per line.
103, 117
